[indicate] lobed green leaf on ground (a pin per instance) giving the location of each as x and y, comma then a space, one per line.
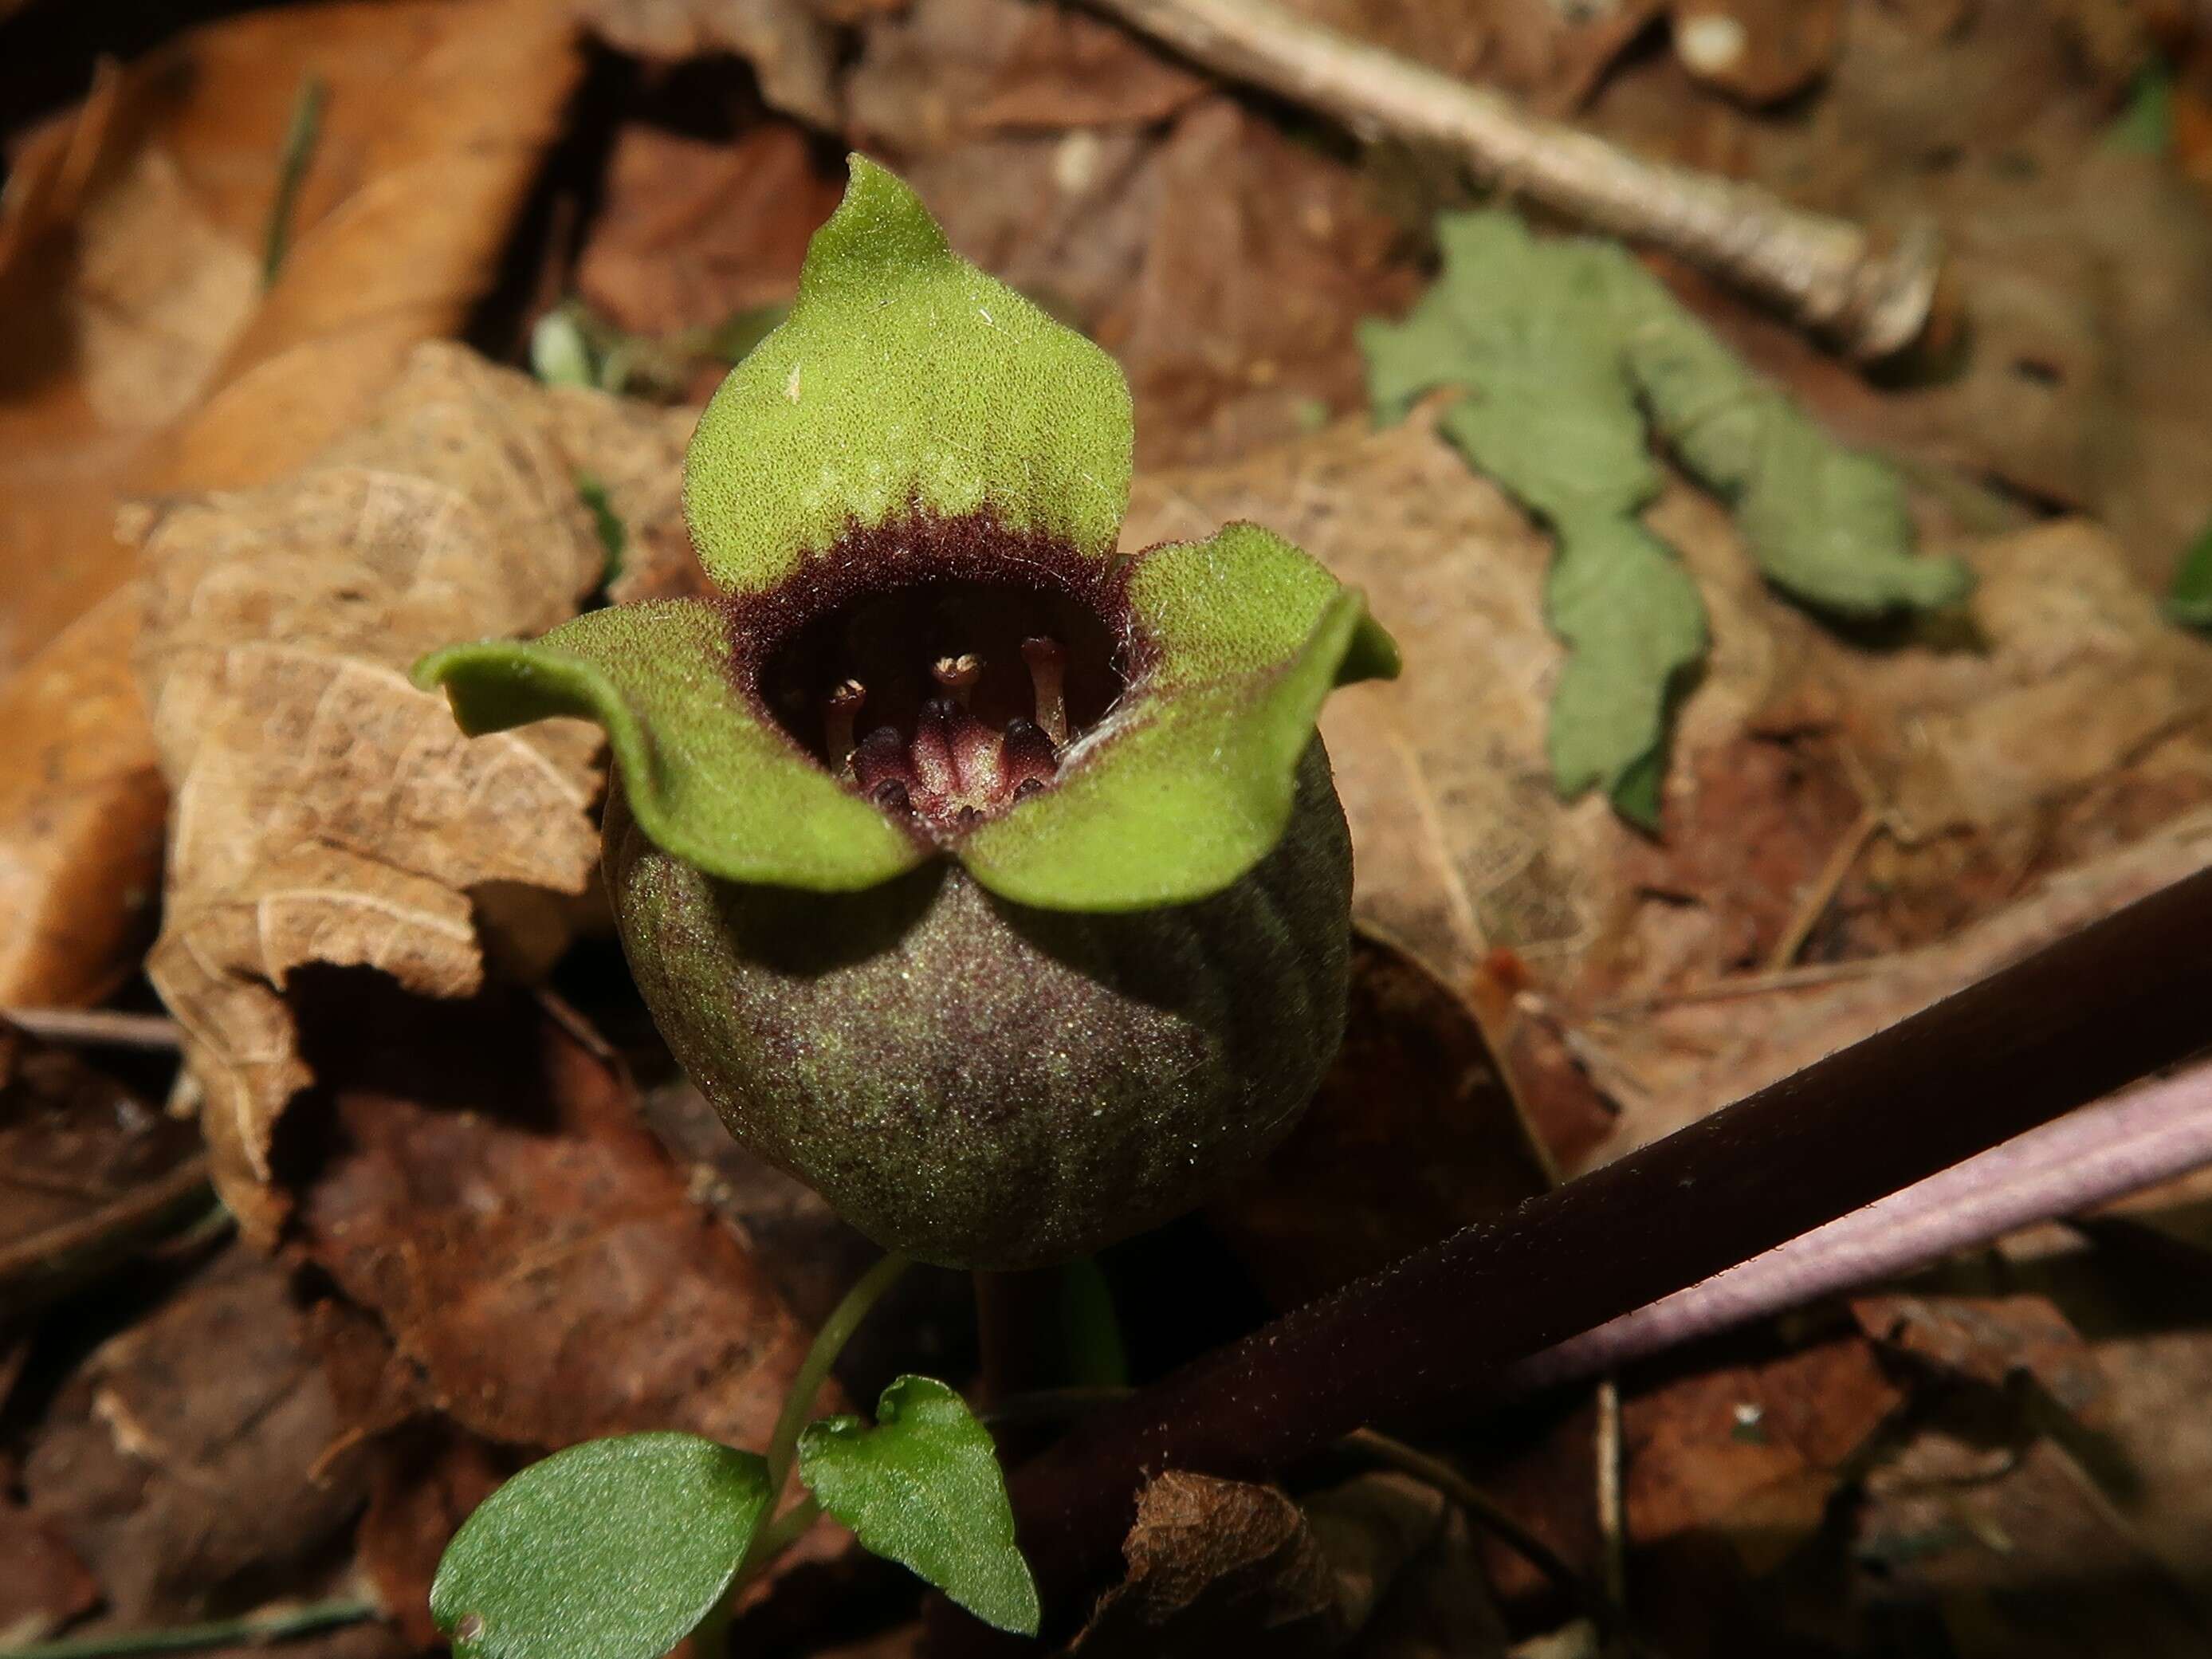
1570, 358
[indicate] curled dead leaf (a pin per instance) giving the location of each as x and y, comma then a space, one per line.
327, 812
1376, 1565
131, 258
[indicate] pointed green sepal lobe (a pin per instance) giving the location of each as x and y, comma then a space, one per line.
707, 776
904, 379
922, 1488
615, 1549
1190, 784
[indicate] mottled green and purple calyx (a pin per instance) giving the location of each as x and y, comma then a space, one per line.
988, 880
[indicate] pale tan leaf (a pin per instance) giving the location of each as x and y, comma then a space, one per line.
327, 811
130, 248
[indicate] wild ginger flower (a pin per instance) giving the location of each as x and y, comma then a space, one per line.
989, 881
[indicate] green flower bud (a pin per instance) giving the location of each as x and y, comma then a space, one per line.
990, 882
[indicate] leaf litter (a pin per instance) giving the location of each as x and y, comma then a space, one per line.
1884, 809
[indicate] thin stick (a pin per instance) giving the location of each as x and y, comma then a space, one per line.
1822, 893
2070, 1023
97, 1027
2137, 1138
1612, 1500
220, 1633
1483, 1510
1823, 274
1809, 977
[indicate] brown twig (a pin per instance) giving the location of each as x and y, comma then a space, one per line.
1823, 274
1484, 1512
2073, 1022
1816, 899
1612, 1499
99, 1027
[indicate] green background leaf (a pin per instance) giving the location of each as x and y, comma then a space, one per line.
615, 1549
2190, 600
923, 1488
1570, 357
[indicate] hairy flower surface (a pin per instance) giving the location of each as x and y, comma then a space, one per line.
988, 880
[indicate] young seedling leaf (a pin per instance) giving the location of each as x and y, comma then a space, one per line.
923, 1488
1569, 356
615, 1549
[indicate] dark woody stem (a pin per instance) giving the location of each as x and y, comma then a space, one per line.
2108, 1004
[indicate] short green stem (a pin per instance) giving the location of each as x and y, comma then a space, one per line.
814, 1370
779, 1535
771, 1541
221, 1632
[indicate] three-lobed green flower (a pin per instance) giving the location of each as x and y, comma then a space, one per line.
969, 866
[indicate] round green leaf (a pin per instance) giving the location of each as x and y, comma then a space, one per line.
615, 1549
923, 1488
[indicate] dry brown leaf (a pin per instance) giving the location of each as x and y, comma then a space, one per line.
693, 231
2116, 1344
327, 812
173, 1459
1375, 1565
2019, 1552
401, 213
1698, 1053
942, 72
107, 329
80, 807
1262, 256
1730, 1474
1224, 264
788, 44
88, 1172
1989, 1340
42, 1584
1213, 1562
2080, 267
484, 1185
1412, 1136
